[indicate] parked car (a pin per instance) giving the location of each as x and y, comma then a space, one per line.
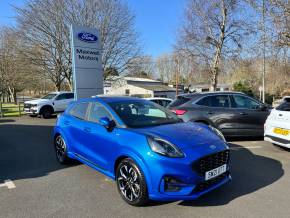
277, 102
277, 126
146, 148
233, 113
161, 101
53, 102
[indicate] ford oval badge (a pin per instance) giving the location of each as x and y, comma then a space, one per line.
87, 37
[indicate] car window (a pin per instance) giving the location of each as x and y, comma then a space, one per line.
69, 95
97, 111
61, 97
164, 103
179, 101
219, 101
240, 101
285, 106
204, 102
138, 113
79, 110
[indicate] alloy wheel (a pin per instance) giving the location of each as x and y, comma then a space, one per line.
129, 182
60, 148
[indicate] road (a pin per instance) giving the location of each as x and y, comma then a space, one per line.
44, 188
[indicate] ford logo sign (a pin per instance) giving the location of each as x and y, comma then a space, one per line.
87, 37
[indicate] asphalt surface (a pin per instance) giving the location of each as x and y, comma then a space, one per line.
44, 188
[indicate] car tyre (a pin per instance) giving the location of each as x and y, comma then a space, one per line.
61, 150
131, 183
46, 113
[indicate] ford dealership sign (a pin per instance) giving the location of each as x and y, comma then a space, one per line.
87, 66
87, 37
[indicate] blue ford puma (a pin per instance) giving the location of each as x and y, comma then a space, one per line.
147, 149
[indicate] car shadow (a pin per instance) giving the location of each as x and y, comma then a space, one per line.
26, 151
250, 172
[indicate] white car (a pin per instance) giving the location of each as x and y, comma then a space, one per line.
53, 102
161, 101
277, 126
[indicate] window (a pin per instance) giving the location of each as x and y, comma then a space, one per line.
69, 95
140, 113
79, 110
219, 101
97, 111
127, 91
204, 102
240, 101
61, 97
285, 106
179, 101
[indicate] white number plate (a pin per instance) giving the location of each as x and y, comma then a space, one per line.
215, 172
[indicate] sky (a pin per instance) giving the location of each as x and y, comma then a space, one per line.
156, 20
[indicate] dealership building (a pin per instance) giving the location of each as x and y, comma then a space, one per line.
138, 87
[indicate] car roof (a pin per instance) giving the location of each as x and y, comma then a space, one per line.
198, 94
109, 99
59, 92
157, 98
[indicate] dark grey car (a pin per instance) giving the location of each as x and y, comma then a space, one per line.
233, 113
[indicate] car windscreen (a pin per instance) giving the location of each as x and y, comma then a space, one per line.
138, 114
49, 96
285, 106
179, 101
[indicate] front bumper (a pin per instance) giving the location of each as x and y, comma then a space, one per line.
174, 179
275, 138
31, 110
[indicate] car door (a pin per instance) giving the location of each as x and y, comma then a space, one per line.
101, 144
60, 102
74, 123
250, 115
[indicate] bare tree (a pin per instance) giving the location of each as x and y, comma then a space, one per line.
15, 69
45, 26
280, 12
211, 30
141, 66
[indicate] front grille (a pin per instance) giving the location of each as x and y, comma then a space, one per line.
27, 106
212, 161
207, 184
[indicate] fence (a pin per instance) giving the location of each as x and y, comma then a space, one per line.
11, 109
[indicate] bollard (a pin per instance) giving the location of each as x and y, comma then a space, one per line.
1, 110
19, 109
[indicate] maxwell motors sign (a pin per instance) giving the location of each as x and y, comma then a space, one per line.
87, 62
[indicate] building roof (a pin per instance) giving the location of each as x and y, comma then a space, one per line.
156, 88
129, 78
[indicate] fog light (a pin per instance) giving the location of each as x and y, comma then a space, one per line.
172, 185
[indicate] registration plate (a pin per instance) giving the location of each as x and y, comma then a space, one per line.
280, 131
215, 172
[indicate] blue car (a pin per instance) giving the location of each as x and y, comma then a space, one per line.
145, 148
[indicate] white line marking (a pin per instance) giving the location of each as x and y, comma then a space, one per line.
245, 147
8, 183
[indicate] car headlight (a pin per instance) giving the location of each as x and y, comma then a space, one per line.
164, 147
219, 133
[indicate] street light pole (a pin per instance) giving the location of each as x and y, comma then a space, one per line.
264, 53
177, 75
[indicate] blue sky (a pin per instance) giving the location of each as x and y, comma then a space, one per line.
156, 21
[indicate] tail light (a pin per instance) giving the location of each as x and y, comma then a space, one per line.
179, 112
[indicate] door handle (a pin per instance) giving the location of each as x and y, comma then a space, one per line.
210, 112
87, 129
280, 115
243, 113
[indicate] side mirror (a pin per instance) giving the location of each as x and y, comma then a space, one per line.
107, 123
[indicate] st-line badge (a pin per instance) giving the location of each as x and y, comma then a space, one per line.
87, 37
